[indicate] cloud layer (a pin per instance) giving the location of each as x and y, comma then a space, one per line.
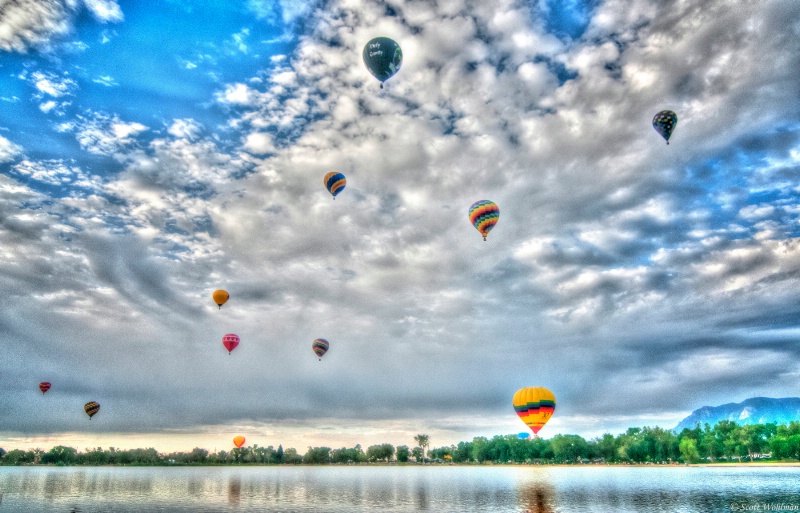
636, 280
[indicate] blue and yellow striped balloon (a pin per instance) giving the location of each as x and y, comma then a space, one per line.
483, 215
335, 183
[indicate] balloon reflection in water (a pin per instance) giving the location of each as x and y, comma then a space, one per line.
537, 497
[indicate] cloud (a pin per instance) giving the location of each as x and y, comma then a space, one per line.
28, 24
105, 10
50, 84
103, 134
8, 150
620, 261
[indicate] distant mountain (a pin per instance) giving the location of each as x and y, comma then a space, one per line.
757, 410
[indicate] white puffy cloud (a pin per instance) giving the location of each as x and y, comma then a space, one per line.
102, 134
8, 150
35, 23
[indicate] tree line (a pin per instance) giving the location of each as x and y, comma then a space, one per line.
726, 441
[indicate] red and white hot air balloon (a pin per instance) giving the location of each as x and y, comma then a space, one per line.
230, 341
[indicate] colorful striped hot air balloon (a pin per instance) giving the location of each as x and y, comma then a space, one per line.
91, 408
230, 341
483, 215
44, 386
335, 183
535, 406
220, 297
664, 122
320, 347
238, 441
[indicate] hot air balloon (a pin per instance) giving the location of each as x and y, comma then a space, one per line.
664, 122
335, 183
383, 58
230, 341
484, 214
320, 347
535, 406
524, 436
220, 297
44, 386
238, 441
91, 408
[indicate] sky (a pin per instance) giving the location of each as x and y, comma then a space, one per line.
153, 152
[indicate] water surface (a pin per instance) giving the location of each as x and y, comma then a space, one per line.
372, 489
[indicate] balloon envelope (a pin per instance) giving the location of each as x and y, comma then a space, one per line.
230, 341
220, 297
664, 122
44, 386
535, 406
238, 441
483, 215
335, 183
524, 436
91, 408
383, 58
320, 347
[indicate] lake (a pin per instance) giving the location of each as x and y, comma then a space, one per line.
385, 489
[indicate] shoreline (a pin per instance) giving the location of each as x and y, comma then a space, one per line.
475, 465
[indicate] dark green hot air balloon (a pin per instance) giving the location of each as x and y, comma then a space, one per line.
664, 123
383, 58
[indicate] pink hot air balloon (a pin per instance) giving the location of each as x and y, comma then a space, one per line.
230, 341
44, 386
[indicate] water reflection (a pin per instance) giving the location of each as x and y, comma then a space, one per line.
234, 490
422, 497
538, 497
477, 489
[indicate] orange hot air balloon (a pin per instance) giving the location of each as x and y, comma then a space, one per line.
220, 297
230, 341
238, 441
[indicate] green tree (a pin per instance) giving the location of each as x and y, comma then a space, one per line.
290, 456
60, 455
317, 455
18, 457
423, 441
688, 449
383, 452
606, 447
279, 454
402, 453
416, 453
569, 448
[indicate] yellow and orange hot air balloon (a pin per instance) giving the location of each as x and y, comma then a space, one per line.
535, 406
220, 297
238, 441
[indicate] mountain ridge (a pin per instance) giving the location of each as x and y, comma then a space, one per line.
756, 410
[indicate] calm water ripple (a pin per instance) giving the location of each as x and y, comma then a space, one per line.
518, 489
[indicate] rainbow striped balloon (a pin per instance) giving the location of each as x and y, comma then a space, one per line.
320, 347
335, 183
535, 406
483, 215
